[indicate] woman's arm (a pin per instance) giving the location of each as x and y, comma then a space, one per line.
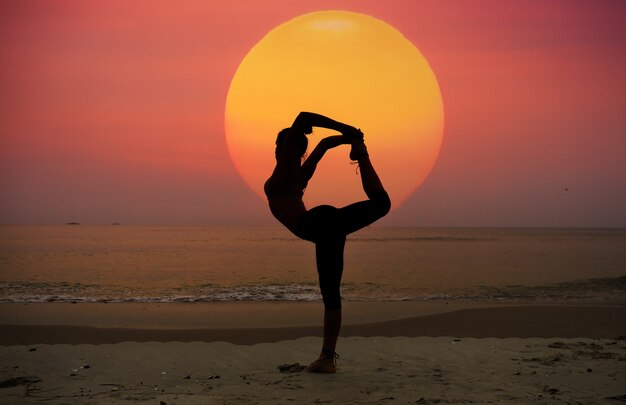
310, 164
306, 120
303, 123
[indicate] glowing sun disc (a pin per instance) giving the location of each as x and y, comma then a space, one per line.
350, 67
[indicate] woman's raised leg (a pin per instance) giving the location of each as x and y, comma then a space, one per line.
369, 178
363, 213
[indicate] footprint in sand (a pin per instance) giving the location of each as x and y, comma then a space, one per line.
15, 381
291, 368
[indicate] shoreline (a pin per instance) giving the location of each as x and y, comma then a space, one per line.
276, 322
221, 314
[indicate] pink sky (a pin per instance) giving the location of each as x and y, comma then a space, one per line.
113, 111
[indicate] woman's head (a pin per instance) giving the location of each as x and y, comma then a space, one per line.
299, 139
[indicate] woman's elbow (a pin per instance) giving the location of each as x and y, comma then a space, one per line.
303, 122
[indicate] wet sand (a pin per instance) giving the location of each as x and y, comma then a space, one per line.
115, 323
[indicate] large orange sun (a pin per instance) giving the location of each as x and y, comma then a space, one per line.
350, 67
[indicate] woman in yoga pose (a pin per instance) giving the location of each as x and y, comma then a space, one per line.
324, 225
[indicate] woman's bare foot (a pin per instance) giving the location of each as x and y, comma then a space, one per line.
358, 151
325, 366
353, 135
326, 363
356, 139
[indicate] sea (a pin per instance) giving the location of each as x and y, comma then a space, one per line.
144, 264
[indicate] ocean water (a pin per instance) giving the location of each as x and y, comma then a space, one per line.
85, 263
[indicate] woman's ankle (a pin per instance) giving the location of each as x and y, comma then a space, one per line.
328, 354
358, 152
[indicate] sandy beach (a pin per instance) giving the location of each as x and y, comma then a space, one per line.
511, 354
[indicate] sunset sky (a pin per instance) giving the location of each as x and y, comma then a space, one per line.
113, 111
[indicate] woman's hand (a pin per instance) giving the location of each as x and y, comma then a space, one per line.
334, 141
352, 134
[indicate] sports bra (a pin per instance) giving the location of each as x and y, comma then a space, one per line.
273, 190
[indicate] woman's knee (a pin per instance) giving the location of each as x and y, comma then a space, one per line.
332, 301
330, 288
382, 202
329, 257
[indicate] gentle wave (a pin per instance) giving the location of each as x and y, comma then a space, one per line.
365, 239
420, 239
611, 290
78, 293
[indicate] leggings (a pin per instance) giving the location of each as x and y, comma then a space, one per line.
327, 227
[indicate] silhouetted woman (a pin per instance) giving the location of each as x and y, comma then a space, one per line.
324, 225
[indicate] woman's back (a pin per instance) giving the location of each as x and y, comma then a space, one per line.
284, 191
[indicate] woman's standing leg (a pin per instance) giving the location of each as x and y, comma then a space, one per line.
334, 225
329, 258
